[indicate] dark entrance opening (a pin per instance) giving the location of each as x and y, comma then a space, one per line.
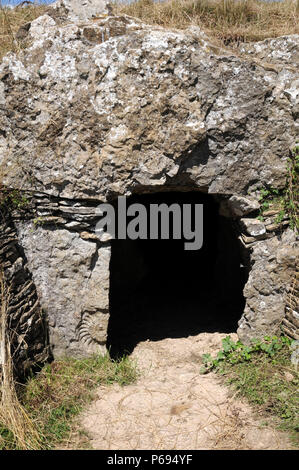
158, 289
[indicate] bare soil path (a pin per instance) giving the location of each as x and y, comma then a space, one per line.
172, 406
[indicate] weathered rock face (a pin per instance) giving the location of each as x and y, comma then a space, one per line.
80, 10
25, 318
273, 264
72, 278
283, 50
110, 106
93, 109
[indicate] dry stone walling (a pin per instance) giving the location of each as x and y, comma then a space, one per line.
107, 106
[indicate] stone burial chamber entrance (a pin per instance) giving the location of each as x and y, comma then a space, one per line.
117, 107
98, 293
159, 289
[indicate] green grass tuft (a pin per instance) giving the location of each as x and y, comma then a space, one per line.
264, 375
57, 394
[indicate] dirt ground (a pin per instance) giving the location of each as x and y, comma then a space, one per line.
172, 406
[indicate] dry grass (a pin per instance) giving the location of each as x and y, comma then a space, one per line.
39, 414
16, 428
10, 22
228, 20
59, 392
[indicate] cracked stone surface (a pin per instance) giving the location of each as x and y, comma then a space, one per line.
92, 109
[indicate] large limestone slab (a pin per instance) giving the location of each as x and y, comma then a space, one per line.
112, 105
72, 279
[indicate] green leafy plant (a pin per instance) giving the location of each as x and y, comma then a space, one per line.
270, 198
236, 352
13, 199
292, 188
284, 200
263, 373
38, 221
